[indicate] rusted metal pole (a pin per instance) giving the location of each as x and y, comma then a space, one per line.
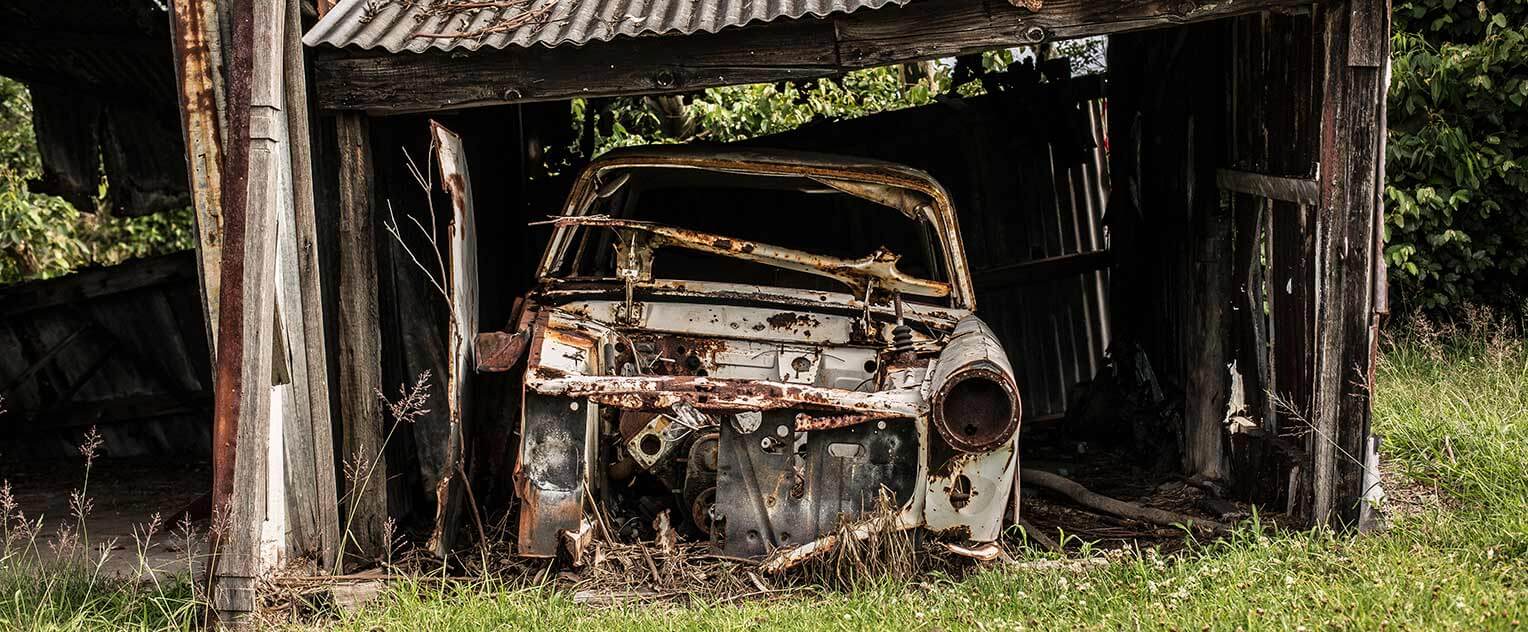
235, 172
242, 374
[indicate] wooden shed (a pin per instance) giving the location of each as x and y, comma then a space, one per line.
1238, 255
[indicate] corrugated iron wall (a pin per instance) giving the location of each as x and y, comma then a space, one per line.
120, 348
1027, 170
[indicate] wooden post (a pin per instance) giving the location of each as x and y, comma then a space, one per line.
247, 320
1355, 36
360, 345
308, 435
198, 57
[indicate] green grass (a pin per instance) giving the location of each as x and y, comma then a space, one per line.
75, 598
1454, 419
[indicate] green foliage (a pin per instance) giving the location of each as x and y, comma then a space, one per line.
1457, 196
740, 112
43, 236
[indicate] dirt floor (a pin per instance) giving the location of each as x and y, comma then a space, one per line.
1118, 475
124, 496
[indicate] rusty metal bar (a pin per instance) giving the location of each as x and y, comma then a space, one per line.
235, 171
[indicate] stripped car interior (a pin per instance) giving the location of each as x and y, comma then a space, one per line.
763, 378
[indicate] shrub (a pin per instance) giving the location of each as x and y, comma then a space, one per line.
1456, 226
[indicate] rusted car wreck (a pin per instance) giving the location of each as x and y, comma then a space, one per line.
762, 392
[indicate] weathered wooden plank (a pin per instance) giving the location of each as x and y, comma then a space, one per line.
249, 318
784, 50
460, 332
308, 435
403, 83
1297, 190
942, 28
92, 284
1346, 322
1291, 231
198, 60
1248, 153
365, 507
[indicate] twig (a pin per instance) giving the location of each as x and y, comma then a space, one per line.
728, 558
530, 15
1030, 531
477, 518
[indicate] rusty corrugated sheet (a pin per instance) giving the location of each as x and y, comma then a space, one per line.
419, 25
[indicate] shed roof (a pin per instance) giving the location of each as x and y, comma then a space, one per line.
419, 25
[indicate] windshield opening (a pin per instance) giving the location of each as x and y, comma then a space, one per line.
789, 212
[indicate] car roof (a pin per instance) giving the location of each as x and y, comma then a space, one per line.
720, 157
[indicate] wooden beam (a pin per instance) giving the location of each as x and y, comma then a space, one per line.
98, 283
247, 323
1351, 148
359, 343
1285, 189
199, 82
312, 498
384, 83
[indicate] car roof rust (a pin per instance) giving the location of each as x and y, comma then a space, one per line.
772, 161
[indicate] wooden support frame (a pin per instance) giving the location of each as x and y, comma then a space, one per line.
198, 57
383, 83
360, 343
1355, 37
91, 284
307, 435
1298, 190
247, 317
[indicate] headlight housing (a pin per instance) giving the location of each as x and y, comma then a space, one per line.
975, 400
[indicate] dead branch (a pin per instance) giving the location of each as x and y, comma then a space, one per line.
1083, 496
1034, 533
537, 15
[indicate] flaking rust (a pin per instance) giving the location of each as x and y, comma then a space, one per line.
754, 416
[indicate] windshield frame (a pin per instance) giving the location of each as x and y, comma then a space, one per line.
626, 165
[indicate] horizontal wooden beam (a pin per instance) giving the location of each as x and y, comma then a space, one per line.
383, 83
1284, 189
90, 284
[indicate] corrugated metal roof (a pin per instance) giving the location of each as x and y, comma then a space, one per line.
418, 25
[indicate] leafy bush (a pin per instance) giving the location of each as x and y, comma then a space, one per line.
1456, 229
43, 236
